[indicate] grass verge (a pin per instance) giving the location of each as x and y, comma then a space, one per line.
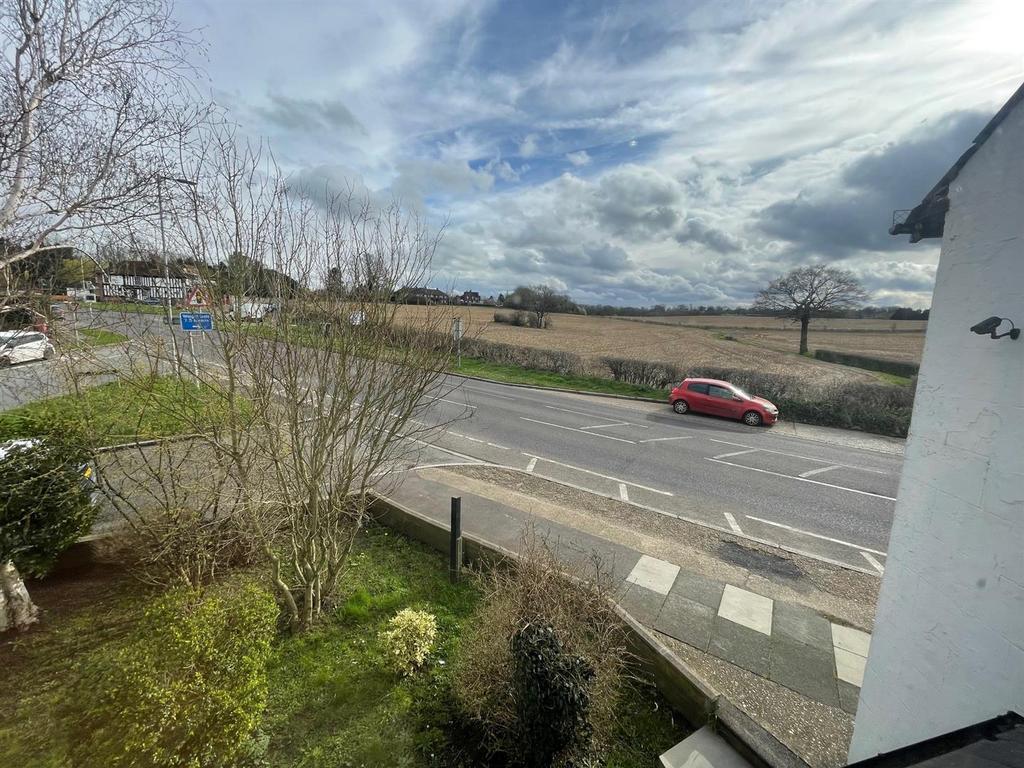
157, 407
332, 700
513, 375
95, 337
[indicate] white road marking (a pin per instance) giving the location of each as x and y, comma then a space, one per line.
653, 574
623, 493
747, 609
574, 429
819, 470
816, 535
598, 474
662, 439
593, 416
489, 394
732, 523
735, 453
798, 456
874, 563
602, 426
533, 463
471, 459
805, 480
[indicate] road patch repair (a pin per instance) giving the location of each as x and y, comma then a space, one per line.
784, 644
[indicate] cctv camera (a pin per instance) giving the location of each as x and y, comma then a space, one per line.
987, 326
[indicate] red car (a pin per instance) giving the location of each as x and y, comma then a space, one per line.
721, 398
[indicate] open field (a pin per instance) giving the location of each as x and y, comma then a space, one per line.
595, 337
834, 324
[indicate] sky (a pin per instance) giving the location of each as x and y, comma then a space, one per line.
628, 153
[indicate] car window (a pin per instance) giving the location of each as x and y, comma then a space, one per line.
722, 392
697, 387
741, 393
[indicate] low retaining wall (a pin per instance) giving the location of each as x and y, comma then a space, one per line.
688, 693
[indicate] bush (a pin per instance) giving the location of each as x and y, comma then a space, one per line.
409, 639
565, 363
643, 373
187, 688
45, 500
552, 695
573, 600
895, 367
523, 319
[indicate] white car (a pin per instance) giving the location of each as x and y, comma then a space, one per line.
22, 346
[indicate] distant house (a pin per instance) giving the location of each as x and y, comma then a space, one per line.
137, 280
469, 297
412, 295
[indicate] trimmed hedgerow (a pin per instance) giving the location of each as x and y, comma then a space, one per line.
895, 367
642, 372
187, 687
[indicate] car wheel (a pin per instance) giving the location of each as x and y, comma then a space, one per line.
680, 406
752, 418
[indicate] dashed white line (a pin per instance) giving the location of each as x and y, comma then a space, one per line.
874, 563
819, 470
532, 465
816, 535
593, 416
735, 453
471, 459
623, 493
452, 402
601, 426
574, 429
732, 523
805, 480
663, 439
598, 474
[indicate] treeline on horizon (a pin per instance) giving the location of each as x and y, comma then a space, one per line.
663, 310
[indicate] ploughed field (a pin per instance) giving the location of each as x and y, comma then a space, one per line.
770, 349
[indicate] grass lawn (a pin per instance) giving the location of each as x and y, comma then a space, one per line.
892, 378
95, 337
158, 408
332, 702
514, 375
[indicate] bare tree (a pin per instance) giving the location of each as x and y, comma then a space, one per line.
96, 101
319, 404
808, 291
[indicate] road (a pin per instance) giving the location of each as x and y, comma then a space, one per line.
830, 500
833, 501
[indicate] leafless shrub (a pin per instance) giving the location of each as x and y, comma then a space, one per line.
573, 596
655, 375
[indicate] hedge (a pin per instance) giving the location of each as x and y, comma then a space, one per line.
882, 365
656, 375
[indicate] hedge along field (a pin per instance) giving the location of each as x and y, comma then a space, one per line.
593, 338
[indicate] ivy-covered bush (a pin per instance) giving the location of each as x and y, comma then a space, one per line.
409, 639
187, 688
552, 695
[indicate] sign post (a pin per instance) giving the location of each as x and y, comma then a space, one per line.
457, 334
191, 323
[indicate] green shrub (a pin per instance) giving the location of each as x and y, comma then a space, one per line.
45, 503
895, 367
187, 688
555, 361
552, 695
643, 373
409, 639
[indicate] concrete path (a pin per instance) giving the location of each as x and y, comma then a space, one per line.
784, 642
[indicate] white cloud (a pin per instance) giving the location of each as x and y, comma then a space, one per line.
579, 158
528, 147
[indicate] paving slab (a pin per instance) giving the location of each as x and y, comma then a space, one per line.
643, 604
747, 609
699, 588
804, 669
686, 620
849, 695
850, 639
702, 749
739, 645
850, 667
654, 574
801, 624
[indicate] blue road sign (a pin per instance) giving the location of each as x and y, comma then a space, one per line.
196, 321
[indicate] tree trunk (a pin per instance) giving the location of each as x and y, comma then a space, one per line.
16, 607
805, 320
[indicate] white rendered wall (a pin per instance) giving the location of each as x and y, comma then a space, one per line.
948, 645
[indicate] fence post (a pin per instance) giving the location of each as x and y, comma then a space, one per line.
455, 544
